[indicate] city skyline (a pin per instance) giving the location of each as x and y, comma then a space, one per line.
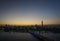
29, 12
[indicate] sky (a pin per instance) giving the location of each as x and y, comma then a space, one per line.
29, 12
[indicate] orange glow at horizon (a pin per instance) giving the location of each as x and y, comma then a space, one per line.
29, 22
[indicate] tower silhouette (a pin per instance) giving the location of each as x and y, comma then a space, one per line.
42, 23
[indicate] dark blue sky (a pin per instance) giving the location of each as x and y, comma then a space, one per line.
29, 11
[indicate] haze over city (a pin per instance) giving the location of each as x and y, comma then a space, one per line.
29, 12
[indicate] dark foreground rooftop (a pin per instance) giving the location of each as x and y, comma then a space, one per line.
15, 36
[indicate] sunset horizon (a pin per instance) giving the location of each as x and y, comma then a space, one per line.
27, 12
18, 24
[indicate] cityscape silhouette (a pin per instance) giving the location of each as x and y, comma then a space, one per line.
29, 20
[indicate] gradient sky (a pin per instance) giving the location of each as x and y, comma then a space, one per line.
26, 12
